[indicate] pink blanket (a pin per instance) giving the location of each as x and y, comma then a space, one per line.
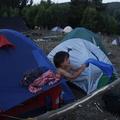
48, 77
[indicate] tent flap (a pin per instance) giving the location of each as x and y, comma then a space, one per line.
5, 43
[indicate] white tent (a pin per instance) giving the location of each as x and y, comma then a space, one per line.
81, 50
116, 42
67, 29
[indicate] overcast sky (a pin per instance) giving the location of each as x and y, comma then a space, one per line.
104, 1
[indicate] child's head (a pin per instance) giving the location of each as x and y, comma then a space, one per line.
61, 59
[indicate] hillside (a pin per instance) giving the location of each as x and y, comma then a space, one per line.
112, 7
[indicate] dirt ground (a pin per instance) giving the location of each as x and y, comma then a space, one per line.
93, 109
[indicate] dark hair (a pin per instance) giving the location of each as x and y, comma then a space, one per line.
59, 58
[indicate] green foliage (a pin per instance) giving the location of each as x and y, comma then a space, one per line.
13, 12
57, 15
99, 21
91, 14
89, 18
15, 3
5, 14
97, 2
40, 18
75, 15
46, 15
109, 24
113, 9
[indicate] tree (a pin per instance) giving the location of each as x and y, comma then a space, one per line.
76, 10
97, 2
109, 24
49, 2
106, 23
29, 14
89, 18
41, 18
15, 3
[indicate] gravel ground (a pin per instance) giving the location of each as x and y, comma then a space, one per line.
89, 111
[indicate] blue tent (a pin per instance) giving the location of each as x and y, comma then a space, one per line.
14, 62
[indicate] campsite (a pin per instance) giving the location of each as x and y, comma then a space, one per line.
93, 108
31, 35
94, 104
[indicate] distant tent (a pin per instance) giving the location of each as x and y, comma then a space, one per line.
19, 54
82, 47
67, 29
57, 29
116, 42
15, 23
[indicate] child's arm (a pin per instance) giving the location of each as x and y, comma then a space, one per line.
74, 75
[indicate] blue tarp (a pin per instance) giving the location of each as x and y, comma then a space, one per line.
106, 68
14, 62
